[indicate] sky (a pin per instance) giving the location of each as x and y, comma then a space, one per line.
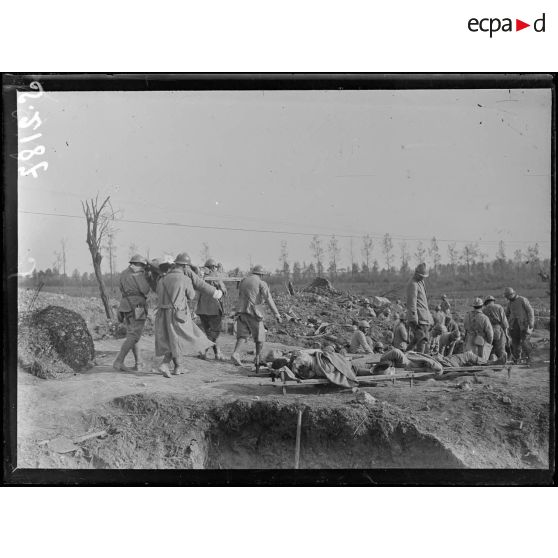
460, 165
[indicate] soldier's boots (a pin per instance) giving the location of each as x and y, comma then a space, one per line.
236, 359
218, 353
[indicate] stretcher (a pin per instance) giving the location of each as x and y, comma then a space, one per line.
283, 381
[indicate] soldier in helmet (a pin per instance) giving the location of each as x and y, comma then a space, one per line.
176, 334
211, 311
445, 305
360, 342
418, 314
497, 316
134, 285
521, 318
252, 292
478, 329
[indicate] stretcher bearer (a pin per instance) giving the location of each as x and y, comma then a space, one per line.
211, 311
176, 334
135, 285
253, 292
497, 316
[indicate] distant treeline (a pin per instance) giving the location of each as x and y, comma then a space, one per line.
464, 273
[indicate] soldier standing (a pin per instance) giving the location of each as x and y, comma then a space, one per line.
521, 318
211, 311
253, 291
478, 329
497, 316
418, 314
135, 285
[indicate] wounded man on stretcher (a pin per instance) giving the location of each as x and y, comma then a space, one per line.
309, 364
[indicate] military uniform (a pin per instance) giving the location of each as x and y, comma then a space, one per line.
173, 339
418, 314
477, 326
359, 342
253, 292
521, 316
497, 316
211, 311
135, 285
400, 336
445, 306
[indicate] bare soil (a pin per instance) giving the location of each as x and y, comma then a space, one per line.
215, 416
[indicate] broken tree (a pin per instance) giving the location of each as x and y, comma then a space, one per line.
99, 219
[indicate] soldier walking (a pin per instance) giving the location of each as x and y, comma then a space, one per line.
418, 314
176, 334
135, 285
521, 318
211, 311
478, 329
497, 316
253, 292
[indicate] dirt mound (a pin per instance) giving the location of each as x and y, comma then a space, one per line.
320, 285
54, 341
306, 313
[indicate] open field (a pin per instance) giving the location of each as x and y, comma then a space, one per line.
217, 416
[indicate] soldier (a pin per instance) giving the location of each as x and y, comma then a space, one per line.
252, 291
445, 305
478, 329
497, 316
359, 341
135, 285
448, 341
400, 334
521, 318
211, 311
367, 311
418, 314
176, 334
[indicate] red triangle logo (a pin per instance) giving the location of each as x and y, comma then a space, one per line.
519, 25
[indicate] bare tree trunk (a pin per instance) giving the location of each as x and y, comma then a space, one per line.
99, 219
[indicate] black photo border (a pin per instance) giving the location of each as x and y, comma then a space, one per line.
12, 82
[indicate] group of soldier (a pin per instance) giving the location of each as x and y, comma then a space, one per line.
489, 329
176, 282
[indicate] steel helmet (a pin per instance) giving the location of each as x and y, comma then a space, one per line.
379, 345
166, 260
508, 291
477, 303
138, 258
444, 296
363, 323
366, 301
259, 270
421, 270
489, 299
183, 259
210, 263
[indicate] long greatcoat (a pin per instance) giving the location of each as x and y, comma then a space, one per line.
175, 289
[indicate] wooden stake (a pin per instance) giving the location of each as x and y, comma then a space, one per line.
297, 447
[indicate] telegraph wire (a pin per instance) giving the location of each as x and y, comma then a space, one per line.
284, 232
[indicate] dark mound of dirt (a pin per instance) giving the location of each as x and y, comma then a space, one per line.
320, 285
54, 341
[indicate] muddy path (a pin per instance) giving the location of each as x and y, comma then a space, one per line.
215, 416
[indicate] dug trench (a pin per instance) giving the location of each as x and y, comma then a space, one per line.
167, 432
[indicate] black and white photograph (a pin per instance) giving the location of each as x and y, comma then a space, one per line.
259, 272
